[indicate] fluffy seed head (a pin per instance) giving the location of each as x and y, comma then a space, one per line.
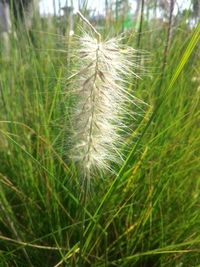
101, 99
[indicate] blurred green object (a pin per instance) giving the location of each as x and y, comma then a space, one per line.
128, 22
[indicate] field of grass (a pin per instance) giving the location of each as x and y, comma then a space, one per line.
146, 213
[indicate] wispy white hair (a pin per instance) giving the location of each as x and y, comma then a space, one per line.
102, 95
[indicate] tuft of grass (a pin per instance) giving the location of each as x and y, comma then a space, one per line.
146, 213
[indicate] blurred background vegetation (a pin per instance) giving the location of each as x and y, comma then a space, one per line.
145, 213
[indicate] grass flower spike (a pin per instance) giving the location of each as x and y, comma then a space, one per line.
101, 102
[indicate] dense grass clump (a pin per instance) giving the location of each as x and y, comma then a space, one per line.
143, 213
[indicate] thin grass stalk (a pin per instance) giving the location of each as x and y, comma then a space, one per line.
87, 174
141, 24
138, 45
3, 98
167, 44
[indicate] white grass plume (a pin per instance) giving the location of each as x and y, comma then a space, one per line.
102, 97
